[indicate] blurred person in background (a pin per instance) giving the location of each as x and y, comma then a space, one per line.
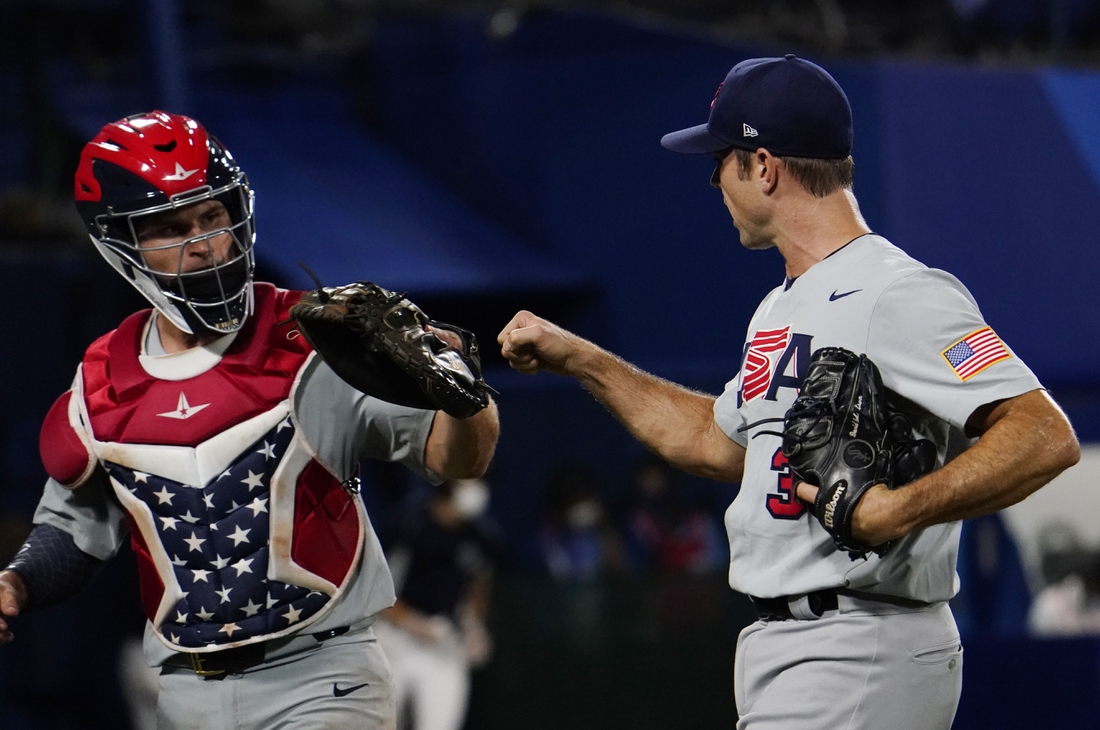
575, 541
663, 530
1071, 606
226, 452
442, 559
1068, 604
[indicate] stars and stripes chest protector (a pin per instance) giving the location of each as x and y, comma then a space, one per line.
241, 533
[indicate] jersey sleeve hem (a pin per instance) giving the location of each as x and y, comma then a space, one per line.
86, 545
965, 411
416, 459
729, 425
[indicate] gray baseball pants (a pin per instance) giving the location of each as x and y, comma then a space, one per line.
342, 684
865, 666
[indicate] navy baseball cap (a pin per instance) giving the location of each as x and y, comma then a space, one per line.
788, 106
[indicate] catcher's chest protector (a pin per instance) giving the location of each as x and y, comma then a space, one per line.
241, 535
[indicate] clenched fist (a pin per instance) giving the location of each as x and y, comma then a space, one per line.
531, 344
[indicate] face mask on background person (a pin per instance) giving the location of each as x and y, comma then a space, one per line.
584, 514
470, 497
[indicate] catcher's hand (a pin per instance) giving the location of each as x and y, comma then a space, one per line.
842, 436
384, 345
13, 598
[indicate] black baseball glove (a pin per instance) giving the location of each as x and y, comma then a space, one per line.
383, 345
842, 435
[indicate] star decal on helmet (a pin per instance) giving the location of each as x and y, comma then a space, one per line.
180, 173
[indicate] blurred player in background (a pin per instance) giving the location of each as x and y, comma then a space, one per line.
574, 540
869, 644
442, 559
214, 439
1068, 604
664, 530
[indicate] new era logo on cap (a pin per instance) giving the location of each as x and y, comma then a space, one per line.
748, 131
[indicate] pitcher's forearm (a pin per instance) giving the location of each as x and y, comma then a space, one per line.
1026, 446
674, 422
1027, 441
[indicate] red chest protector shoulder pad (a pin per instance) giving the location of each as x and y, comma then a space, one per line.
66, 456
111, 380
63, 443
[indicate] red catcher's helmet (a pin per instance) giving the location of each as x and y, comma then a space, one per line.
157, 162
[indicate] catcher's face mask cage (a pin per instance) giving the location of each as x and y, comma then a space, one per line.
149, 167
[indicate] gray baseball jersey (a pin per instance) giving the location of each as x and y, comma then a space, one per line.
937, 356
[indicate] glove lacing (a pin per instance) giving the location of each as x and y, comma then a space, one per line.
816, 408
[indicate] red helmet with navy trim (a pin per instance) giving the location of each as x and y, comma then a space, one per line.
156, 164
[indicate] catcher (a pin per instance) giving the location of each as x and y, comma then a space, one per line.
902, 413
215, 438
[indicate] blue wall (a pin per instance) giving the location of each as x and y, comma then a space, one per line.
553, 133
532, 162
993, 175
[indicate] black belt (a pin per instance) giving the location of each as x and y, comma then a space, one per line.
779, 609
217, 664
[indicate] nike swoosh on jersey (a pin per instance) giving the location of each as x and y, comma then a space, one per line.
834, 296
337, 692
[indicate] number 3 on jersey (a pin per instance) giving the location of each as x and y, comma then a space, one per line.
784, 505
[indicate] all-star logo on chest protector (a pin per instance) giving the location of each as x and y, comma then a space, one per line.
773, 359
184, 410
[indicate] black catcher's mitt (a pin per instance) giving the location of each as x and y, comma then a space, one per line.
384, 345
842, 436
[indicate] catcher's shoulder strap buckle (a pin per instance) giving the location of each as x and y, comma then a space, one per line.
352, 486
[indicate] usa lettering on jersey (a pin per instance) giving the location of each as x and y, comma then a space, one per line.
760, 361
767, 363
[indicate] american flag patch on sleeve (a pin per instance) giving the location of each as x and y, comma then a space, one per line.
975, 352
